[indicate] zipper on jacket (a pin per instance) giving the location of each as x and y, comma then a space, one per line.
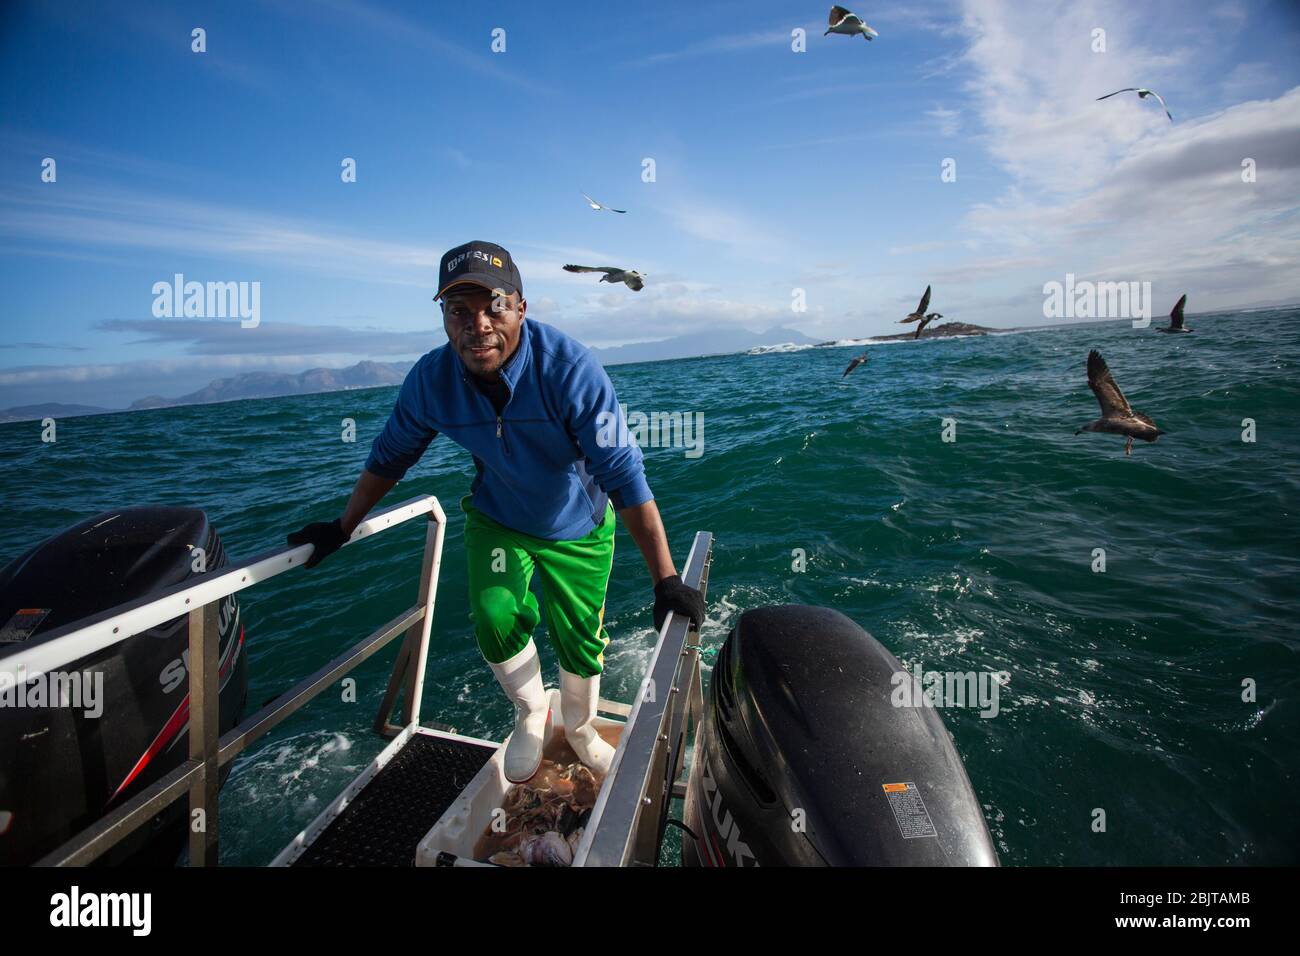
501, 435
505, 447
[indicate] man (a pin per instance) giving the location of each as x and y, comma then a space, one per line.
526, 401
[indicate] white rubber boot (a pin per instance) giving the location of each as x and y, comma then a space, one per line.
578, 697
521, 678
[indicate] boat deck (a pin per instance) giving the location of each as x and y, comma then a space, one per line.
379, 820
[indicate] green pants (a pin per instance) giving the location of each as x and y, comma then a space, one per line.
574, 575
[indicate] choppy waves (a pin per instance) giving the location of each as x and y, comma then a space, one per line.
1125, 687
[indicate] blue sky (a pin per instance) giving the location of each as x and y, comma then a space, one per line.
775, 170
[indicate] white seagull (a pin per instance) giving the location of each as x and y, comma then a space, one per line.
1142, 94
846, 22
597, 206
630, 277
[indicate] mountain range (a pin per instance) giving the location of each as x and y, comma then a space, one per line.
375, 374
274, 384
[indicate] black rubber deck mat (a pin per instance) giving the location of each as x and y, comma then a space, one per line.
392, 813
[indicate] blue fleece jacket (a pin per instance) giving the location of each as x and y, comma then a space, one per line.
541, 468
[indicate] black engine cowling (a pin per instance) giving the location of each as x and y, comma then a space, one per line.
63, 767
803, 760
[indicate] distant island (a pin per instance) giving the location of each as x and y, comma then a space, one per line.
947, 330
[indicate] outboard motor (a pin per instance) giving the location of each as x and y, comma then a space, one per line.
803, 760
78, 742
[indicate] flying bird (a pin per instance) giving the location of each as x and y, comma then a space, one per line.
1142, 94
843, 21
854, 364
597, 206
1176, 318
919, 314
1117, 416
630, 277
926, 321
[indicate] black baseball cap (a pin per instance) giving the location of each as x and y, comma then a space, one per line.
481, 263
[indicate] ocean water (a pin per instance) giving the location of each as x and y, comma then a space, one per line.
1126, 687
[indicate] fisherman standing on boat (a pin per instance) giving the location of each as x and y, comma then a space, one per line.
526, 400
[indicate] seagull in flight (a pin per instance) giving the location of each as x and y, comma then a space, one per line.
1142, 94
597, 206
854, 364
919, 315
630, 277
1117, 415
843, 21
1176, 318
926, 321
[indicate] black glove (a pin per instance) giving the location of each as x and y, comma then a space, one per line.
328, 537
672, 595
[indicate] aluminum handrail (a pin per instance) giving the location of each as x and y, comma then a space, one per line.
81, 638
199, 773
634, 796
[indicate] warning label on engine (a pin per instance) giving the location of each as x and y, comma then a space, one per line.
909, 810
23, 624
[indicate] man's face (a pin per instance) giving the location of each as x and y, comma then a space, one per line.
483, 327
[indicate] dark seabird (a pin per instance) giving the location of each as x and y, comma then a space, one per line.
1117, 416
926, 321
630, 277
919, 314
854, 364
1176, 318
843, 21
1142, 94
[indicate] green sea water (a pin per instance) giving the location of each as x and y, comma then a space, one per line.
1126, 687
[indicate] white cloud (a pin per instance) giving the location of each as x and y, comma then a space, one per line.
664, 309
1113, 189
1036, 80
120, 219
774, 37
948, 121
118, 384
740, 233
916, 247
1248, 79
1233, 13
415, 33
229, 337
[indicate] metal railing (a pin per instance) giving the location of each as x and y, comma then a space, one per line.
199, 775
627, 822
